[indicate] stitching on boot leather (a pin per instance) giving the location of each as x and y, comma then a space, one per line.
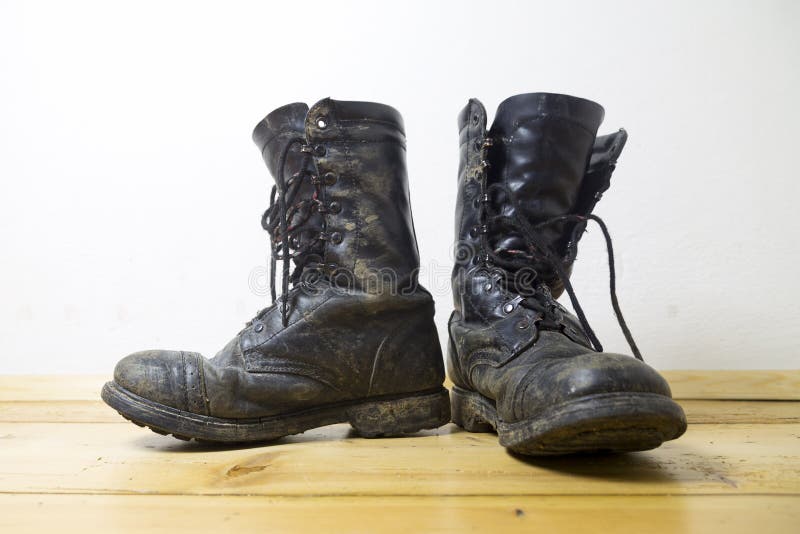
185, 386
365, 142
299, 319
542, 118
300, 370
466, 168
348, 163
202, 377
375, 121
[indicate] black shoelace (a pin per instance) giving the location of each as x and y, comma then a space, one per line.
540, 252
284, 219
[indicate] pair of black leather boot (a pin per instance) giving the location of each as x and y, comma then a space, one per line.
351, 338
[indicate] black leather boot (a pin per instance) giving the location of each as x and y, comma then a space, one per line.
353, 340
521, 363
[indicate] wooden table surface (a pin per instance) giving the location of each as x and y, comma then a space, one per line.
68, 463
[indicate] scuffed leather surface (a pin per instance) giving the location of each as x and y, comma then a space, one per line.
545, 151
340, 343
548, 372
174, 378
365, 149
472, 131
541, 151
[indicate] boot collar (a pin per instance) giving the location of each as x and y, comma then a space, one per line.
331, 119
326, 120
516, 110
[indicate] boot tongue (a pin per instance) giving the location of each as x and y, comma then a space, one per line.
543, 143
272, 135
276, 130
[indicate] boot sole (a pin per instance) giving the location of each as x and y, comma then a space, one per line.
371, 418
603, 423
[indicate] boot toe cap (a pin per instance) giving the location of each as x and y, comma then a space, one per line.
160, 376
566, 379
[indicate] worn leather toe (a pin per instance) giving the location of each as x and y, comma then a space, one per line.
171, 378
559, 380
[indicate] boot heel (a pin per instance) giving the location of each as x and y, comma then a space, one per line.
400, 416
470, 412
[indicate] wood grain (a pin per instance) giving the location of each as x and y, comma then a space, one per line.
51, 387
697, 411
70, 463
721, 385
733, 411
109, 458
404, 515
735, 385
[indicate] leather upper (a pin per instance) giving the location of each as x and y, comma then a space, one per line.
365, 328
543, 150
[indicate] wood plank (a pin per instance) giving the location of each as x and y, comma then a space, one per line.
739, 412
739, 385
108, 458
575, 514
712, 384
51, 387
697, 411
70, 411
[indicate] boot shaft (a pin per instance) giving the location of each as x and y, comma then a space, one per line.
356, 153
543, 149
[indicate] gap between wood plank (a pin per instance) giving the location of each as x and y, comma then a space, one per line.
697, 412
686, 384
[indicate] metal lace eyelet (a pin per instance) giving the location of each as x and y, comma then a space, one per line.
478, 229
329, 178
523, 324
319, 151
508, 308
259, 327
322, 122
475, 119
334, 207
336, 238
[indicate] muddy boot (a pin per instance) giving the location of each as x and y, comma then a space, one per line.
351, 337
523, 365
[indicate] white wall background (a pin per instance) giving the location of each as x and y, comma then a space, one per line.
130, 192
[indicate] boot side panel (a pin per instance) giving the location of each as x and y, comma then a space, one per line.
359, 150
352, 342
454, 368
408, 357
